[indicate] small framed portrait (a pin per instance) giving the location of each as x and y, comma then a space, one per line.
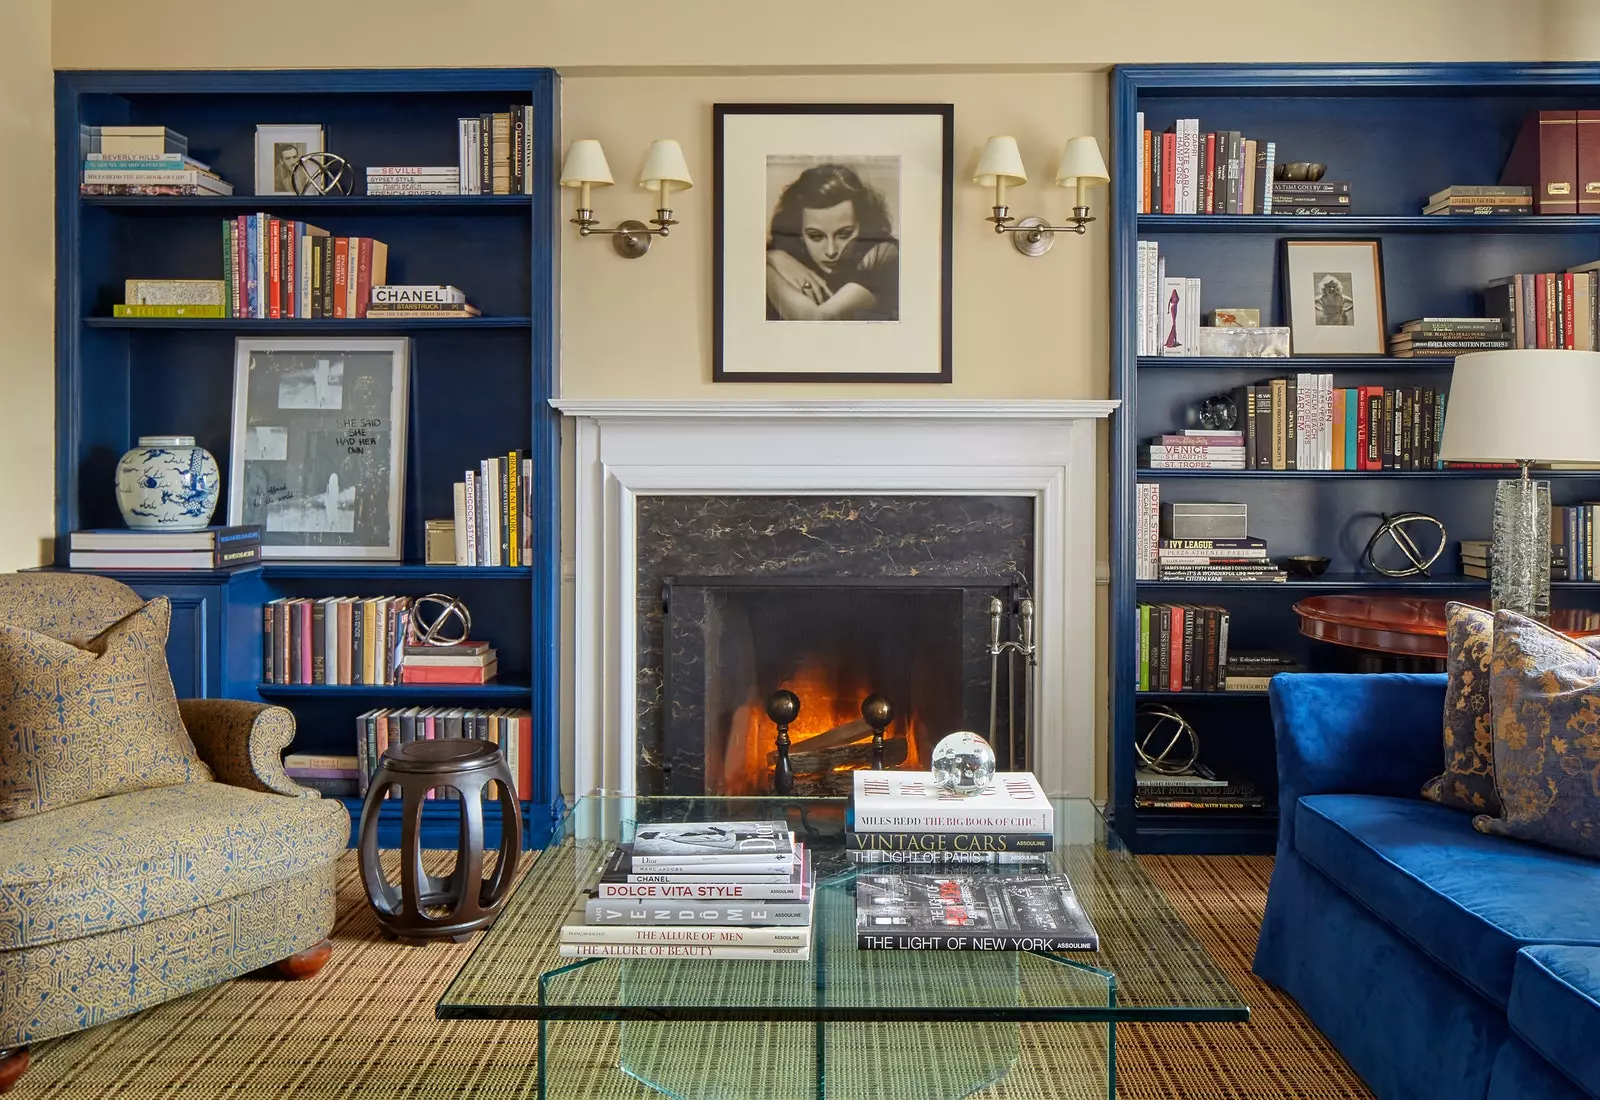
318, 452
1334, 294
278, 152
831, 252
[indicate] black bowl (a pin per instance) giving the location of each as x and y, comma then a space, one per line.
1306, 565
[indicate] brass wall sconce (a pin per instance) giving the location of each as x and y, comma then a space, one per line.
664, 172
1000, 167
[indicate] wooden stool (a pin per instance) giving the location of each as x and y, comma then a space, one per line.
462, 768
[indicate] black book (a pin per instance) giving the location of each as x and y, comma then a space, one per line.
1190, 615
1155, 173
358, 637
1263, 426
519, 124
269, 645
319, 655
327, 276
1291, 429
971, 913
1309, 187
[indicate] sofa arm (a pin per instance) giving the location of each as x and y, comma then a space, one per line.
243, 742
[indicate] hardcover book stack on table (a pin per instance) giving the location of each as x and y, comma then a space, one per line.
462, 663
510, 729
211, 548
144, 160
698, 890
906, 817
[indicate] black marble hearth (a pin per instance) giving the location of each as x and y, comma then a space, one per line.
739, 594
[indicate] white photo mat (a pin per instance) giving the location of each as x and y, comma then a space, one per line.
1334, 295
274, 170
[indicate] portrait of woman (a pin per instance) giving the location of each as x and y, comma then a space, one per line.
832, 253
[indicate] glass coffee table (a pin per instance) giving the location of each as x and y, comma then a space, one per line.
845, 1023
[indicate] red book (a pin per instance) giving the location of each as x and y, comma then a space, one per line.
372, 269
341, 273
1566, 312
1175, 663
274, 272
291, 269
1545, 157
1169, 177
1588, 182
1210, 174
1541, 311
435, 674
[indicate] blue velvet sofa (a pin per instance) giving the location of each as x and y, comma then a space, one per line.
1442, 963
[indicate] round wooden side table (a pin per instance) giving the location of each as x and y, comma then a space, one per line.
1407, 626
463, 902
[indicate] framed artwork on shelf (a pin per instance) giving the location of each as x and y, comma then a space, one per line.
831, 253
278, 152
1334, 292
318, 450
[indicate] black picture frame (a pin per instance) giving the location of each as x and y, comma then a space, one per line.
720, 112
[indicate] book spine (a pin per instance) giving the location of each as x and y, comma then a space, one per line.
471, 507
721, 914
486, 154
518, 123
363, 288
341, 273
878, 941
1291, 423
319, 634
937, 842
269, 649
678, 951
953, 820
685, 936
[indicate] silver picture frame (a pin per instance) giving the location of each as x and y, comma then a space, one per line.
317, 453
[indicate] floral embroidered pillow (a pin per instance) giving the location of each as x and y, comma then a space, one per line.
1468, 779
82, 723
1544, 699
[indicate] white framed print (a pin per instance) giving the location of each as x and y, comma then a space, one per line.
279, 148
1333, 290
831, 242
318, 451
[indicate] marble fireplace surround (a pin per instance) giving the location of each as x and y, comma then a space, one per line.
1044, 450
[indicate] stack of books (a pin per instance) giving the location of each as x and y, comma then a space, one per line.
1182, 647
907, 817
1210, 560
335, 640
511, 730
1187, 171
1311, 197
495, 153
462, 663
1249, 670
1194, 449
698, 890
209, 549
1447, 336
414, 181
1304, 423
172, 298
1554, 309
1480, 199
420, 301
334, 776
1202, 790
279, 267
983, 912
144, 160
491, 512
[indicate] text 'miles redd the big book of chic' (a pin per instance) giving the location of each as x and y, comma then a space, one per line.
894, 801
971, 913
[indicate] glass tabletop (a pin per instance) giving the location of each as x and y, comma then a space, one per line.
1149, 966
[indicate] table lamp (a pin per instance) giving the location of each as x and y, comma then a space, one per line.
1523, 406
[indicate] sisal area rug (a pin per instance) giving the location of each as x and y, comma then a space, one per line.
365, 1027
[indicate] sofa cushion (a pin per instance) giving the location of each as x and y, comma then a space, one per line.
1544, 693
1555, 1007
78, 723
131, 858
1468, 779
1467, 900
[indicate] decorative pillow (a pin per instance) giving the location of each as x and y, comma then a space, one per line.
1468, 779
1544, 695
79, 724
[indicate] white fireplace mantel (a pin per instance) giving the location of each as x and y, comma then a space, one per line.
631, 448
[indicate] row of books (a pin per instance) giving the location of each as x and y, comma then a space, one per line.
1480, 199
492, 512
208, 549
1185, 171
507, 727
280, 267
1434, 337
1182, 647
1554, 309
495, 152
335, 640
1201, 790
1304, 423
698, 890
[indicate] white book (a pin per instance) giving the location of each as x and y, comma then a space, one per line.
458, 512
1174, 316
1152, 295
575, 930
1266, 179
1181, 167
1153, 522
1192, 302
1196, 166
1142, 327
470, 492
891, 800
1138, 145
681, 951
1327, 421
697, 913
794, 888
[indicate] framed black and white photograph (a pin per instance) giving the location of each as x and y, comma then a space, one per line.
831, 242
278, 152
319, 446
1334, 294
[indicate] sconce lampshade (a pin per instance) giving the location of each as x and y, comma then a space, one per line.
664, 167
1001, 162
1081, 162
586, 164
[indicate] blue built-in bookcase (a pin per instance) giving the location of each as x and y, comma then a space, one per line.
1399, 133
478, 386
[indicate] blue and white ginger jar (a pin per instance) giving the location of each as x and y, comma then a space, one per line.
166, 483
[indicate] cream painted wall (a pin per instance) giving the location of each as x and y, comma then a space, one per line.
27, 307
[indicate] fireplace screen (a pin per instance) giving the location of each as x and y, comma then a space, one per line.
921, 646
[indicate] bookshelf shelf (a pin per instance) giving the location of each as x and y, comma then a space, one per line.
321, 204
400, 691
330, 326
1201, 694
392, 571
1457, 124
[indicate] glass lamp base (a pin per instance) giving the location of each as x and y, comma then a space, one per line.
1520, 555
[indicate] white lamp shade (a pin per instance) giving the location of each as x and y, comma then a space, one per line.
1523, 405
1081, 161
664, 165
1001, 162
586, 163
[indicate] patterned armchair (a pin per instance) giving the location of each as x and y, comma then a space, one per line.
122, 902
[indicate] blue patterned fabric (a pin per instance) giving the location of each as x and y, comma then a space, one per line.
1545, 696
1468, 779
1521, 1074
1555, 1007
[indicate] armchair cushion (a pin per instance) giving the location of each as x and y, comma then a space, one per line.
1555, 1007
243, 742
79, 723
132, 858
1468, 779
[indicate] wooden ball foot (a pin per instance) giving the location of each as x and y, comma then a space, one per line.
304, 964
13, 1064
